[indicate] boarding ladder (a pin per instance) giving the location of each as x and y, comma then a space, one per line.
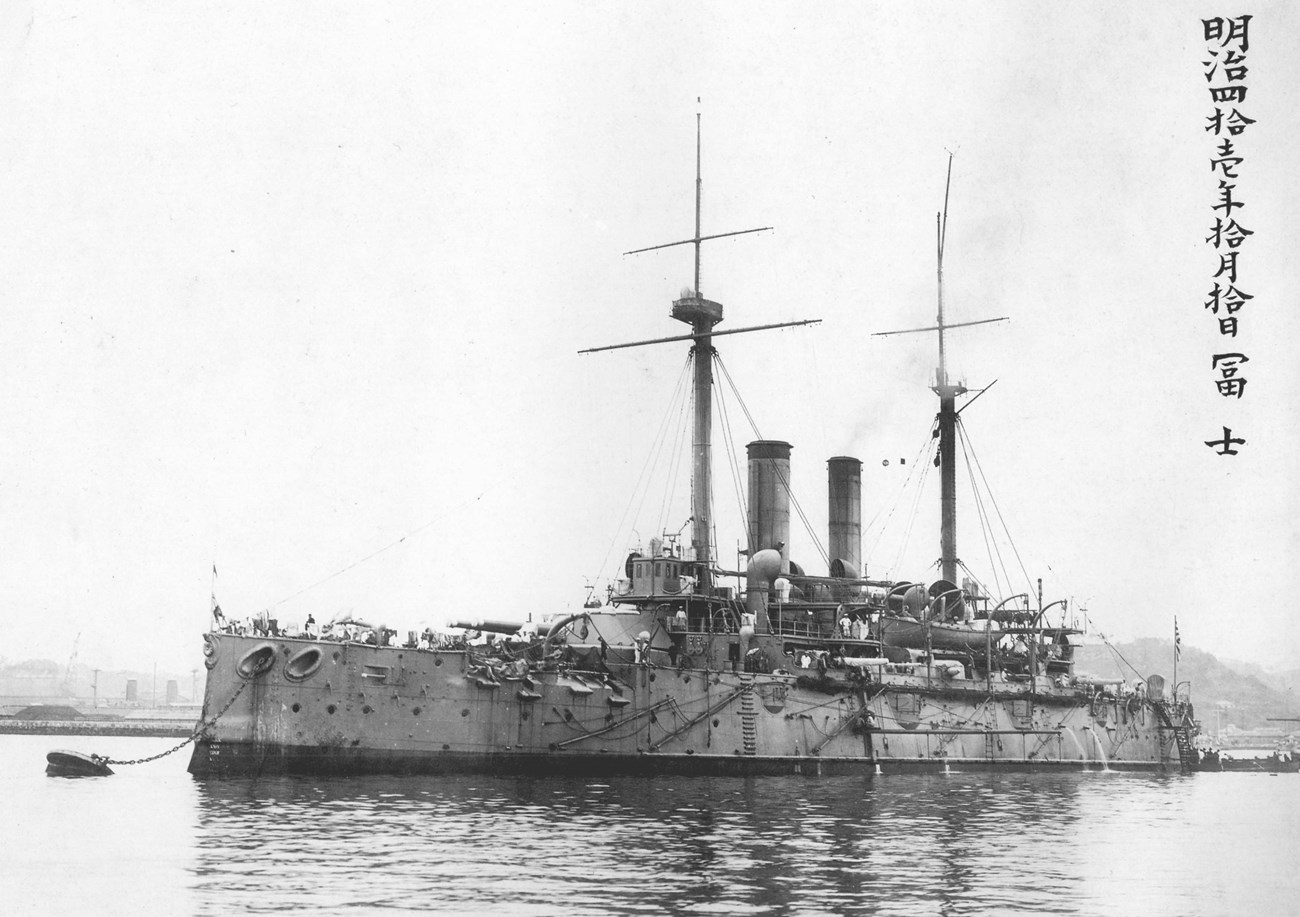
748, 716
1173, 719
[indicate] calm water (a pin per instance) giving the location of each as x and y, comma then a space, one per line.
151, 840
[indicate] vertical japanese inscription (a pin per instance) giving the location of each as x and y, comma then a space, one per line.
1227, 41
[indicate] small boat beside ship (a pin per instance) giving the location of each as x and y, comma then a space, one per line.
63, 763
690, 668
1274, 762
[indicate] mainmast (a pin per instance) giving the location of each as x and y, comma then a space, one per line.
947, 419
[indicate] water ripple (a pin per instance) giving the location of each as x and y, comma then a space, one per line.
155, 841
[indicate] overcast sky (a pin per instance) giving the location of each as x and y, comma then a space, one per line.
284, 283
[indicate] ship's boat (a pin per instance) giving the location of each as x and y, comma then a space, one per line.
1274, 763
687, 667
75, 764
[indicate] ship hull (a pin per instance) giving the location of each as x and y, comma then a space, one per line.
235, 760
289, 706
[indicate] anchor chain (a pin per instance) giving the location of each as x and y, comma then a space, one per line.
198, 730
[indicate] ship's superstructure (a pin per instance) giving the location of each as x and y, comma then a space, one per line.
692, 668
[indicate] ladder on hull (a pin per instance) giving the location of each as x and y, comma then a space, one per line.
1188, 757
748, 716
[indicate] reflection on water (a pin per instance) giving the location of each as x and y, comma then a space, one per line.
908, 845
152, 840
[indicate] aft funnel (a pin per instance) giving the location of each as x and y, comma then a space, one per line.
844, 478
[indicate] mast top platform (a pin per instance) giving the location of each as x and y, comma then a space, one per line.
694, 309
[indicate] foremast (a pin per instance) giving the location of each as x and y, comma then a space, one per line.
702, 315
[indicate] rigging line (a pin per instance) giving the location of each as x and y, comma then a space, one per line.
818, 376
712, 504
926, 465
807, 523
372, 554
1005, 572
681, 399
737, 478
785, 484
733, 461
642, 486
1110, 646
907, 482
733, 465
992, 499
911, 519
741, 401
982, 511
675, 455
977, 581
896, 560
782, 478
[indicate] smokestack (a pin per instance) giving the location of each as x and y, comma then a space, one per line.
844, 477
769, 498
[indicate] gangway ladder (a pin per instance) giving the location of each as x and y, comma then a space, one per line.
1188, 757
1187, 753
748, 716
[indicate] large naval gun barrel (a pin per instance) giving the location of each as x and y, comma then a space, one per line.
495, 627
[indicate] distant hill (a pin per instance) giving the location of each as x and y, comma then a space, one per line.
1248, 695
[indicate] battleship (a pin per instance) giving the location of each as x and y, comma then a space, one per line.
685, 667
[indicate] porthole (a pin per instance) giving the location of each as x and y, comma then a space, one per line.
296, 707
331, 709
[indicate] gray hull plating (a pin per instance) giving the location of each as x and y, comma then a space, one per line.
359, 709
